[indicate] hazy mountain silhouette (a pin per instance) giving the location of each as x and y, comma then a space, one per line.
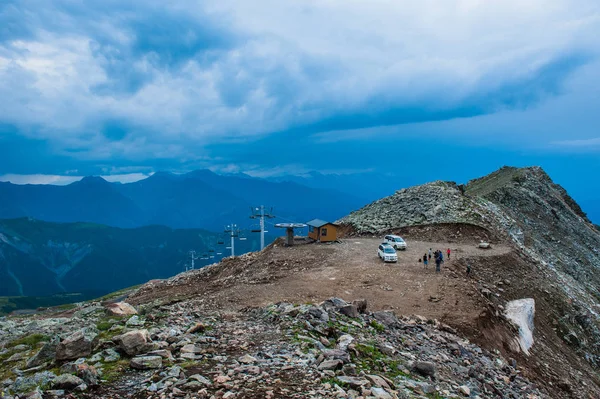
197, 199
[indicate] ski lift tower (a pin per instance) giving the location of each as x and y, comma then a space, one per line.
289, 228
233, 231
260, 213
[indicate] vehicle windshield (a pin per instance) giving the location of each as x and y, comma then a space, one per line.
399, 239
389, 250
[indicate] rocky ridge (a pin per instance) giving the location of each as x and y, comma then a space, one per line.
334, 349
524, 207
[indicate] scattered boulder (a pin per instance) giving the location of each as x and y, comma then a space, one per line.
46, 354
247, 359
386, 318
344, 341
134, 342
378, 381
426, 369
67, 382
134, 321
354, 382
337, 354
465, 390
78, 344
27, 383
349, 310
120, 309
380, 393
332, 364
200, 379
146, 362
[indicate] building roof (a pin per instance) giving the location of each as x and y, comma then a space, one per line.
319, 223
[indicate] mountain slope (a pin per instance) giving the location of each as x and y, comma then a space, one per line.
40, 258
92, 199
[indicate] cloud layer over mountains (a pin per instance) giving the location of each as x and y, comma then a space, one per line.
118, 83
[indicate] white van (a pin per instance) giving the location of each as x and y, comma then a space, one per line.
395, 241
386, 253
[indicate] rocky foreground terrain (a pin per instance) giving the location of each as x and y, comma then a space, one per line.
261, 326
333, 349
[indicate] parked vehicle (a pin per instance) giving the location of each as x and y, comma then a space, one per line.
387, 253
395, 241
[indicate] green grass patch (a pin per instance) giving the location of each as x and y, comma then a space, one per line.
30, 340
111, 372
334, 381
377, 326
106, 323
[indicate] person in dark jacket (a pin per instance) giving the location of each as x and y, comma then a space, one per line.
425, 261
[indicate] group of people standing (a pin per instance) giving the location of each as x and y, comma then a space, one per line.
438, 257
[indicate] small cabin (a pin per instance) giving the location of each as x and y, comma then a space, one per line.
322, 231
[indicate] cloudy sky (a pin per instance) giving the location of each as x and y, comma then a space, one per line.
445, 89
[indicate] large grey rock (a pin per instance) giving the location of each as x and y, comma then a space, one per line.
349, 310
191, 348
46, 354
134, 342
380, 393
67, 382
146, 362
27, 383
120, 309
354, 382
426, 369
344, 341
78, 344
342, 355
200, 379
386, 318
332, 364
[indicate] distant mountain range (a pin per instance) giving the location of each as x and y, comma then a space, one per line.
42, 258
199, 199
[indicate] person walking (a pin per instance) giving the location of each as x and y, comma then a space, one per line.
438, 262
425, 262
448, 252
429, 253
468, 270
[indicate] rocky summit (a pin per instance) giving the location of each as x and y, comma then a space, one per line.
513, 312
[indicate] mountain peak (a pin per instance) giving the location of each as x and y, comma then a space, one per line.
89, 180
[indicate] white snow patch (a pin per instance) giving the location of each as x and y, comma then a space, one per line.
521, 312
